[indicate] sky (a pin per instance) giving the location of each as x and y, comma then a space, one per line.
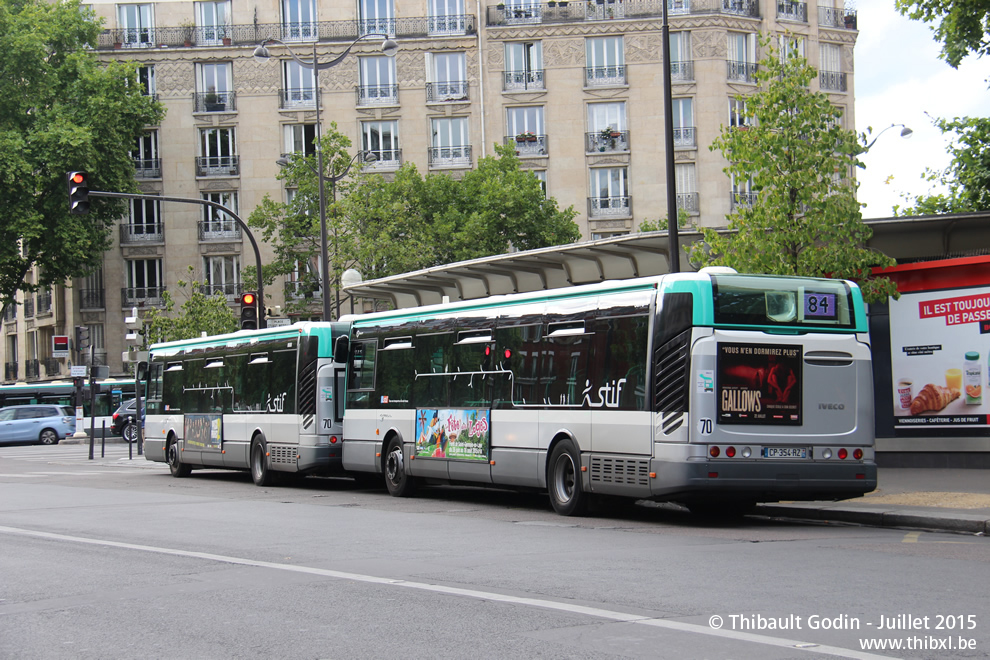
898, 78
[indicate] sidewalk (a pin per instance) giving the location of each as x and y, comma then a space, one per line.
917, 498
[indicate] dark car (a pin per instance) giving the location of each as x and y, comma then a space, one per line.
43, 423
124, 421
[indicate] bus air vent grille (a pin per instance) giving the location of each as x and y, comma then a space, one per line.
670, 365
307, 389
282, 454
620, 471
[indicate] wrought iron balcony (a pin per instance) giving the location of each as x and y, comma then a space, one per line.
522, 13
385, 159
142, 296
10, 312
790, 10
97, 359
685, 137
837, 17
10, 371
142, 233
214, 102
289, 99
29, 308
443, 92
743, 199
217, 166
450, 156
832, 81
32, 369
251, 34
609, 207
682, 71
230, 290
302, 290
605, 76
91, 299
521, 81
452, 26
606, 140
690, 202
528, 144
219, 230
377, 95
740, 71
148, 168
53, 367
44, 302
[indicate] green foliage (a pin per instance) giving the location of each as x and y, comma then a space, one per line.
198, 314
967, 178
60, 109
662, 224
805, 219
963, 25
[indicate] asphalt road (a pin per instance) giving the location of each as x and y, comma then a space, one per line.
116, 559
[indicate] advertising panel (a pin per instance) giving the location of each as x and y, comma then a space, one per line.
204, 431
459, 434
939, 343
759, 384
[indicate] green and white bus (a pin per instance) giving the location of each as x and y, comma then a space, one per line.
263, 400
714, 389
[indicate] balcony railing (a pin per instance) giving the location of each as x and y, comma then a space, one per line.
44, 301
682, 71
740, 71
832, 81
837, 18
252, 34
10, 371
685, 137
32, 369
450, 156
142, 296
302, 290
605, 76
528, 144
29, 308
142, 232
377, 95
289, 99
214, 102
53, 367
217, 166
148, 168
609, 207
219, 230
451, 26
604, 10
598, 141
97, 359
521, 81
789, 10
385, 159
440, 92
10, 313
229, 289
91, 299
743, 199
690, 202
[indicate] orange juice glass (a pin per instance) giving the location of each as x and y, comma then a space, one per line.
953, 379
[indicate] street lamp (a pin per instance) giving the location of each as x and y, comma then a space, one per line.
905, 133
351, 277
389, 47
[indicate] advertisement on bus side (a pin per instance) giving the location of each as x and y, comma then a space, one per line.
204, 431
759, 384
462, 433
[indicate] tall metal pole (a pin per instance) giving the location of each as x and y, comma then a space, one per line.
324, 255
668, 120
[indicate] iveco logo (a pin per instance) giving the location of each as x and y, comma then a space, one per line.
831, 406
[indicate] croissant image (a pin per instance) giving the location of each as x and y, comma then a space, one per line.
933, 398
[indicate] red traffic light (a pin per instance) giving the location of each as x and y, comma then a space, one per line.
77, 177
247, 299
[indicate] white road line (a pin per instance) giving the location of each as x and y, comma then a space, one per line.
470, 593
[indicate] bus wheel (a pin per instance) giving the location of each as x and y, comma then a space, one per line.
175, 464
564, 482
260, 472
398, 482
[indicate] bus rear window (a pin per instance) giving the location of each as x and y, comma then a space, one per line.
765, 300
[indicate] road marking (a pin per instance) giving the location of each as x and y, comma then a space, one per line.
597, 612
911, 537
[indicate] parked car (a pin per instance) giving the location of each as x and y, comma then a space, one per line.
43, 423
123, 422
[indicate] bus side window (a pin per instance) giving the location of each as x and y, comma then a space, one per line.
431, 387
516, 365
361, 373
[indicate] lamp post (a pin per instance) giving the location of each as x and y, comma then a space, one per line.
673, 243
351, 277
905, 133
389, 47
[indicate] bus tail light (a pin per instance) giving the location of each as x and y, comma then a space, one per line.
747, 452
333, 439
858, 454
730, 452
843, 453
714, 452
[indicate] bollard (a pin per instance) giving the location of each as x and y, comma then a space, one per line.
130, 450
91, 446
103, 440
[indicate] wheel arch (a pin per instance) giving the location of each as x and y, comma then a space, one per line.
558, 437
383, 447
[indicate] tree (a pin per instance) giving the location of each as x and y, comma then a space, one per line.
963, 25
966, 179
61, 109
662, 224
198, 314
804, 218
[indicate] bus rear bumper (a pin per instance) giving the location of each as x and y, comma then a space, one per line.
324, 460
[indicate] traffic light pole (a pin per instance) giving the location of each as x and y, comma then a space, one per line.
262, 322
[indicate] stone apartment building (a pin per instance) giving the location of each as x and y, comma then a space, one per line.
575, 87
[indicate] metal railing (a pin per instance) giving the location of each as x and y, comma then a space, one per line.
522, 80
10, 312
790, 10
229, 289
442, 92
742, 199
450, 156
142, 232
217, 166
142, 296
97, 359
29, 308
148, 168
44, 302
609, 207
837, 17
686, 136
304, 97
385, 159
219, 230
451, 26
91, 299
832, 81
377, 95
601, 141
214, 102
602, 10
303, 290
682, 71
690, 202
32, 369
10, 371
53, 367
528, 144
605, 76
740, 71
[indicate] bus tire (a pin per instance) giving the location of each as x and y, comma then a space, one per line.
397, 480
48, 437
261, 473
175, 464
564, 480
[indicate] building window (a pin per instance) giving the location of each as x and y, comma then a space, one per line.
376, 17
214, 22
147, 164
830, 76
213, 79
737, 113
450, 145
541, 176
447, 17
144, 223
146, 76
687, 188
215, 224
601, 10
222, 275
742, 192
377, 85
144, 282
298, 86
791, 46
681, 62
609, 192
218, 152
523, 11
381, 138
741, 57
525, 129
137, 25
683, 115
446, 77
523, 66
91, 293
299, 21
605, 62
607, 127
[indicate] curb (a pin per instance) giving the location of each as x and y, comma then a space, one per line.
912, 518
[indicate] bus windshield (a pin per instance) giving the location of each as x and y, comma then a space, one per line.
782, 301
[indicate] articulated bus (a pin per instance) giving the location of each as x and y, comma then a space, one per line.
713, 389
109, 395
261, 400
